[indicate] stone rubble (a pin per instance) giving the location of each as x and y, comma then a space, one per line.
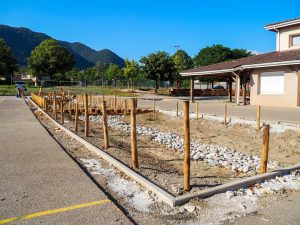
214, 155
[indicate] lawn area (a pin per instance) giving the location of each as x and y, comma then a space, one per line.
94, 90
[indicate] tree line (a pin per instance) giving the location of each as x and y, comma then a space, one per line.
53, 60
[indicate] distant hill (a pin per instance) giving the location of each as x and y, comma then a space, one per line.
22, 41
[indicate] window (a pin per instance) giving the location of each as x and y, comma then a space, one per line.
271, 83
295, 40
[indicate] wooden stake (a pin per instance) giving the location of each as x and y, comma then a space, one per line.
265, 150
154, 106
54, 106
134, 155
62, 118
76, 116
115, 101
225, 114
125, 107
258, 117
105, 126
186, 127
177, 108
86, 115
197, 110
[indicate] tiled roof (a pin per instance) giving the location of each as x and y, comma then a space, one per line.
285, 21
271, 57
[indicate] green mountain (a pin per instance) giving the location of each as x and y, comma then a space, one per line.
22, 41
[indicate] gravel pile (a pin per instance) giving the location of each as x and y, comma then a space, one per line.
214, 155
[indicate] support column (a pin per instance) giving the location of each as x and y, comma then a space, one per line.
238, 90
192, 89
230, 90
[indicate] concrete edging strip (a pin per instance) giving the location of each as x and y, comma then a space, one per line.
162, 194
246, 182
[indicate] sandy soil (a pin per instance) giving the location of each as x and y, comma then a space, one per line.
284, 147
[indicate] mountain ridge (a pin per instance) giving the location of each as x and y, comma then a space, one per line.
23, 40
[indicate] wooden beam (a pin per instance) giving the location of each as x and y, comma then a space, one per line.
86, 115
186, 162
135, 163
105, 126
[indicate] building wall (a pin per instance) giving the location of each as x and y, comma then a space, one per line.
284, 37
289, 98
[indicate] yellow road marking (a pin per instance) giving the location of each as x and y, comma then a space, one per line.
53, 211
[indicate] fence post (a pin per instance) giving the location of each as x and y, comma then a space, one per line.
265, 150
76, 116
197, 110
86, 115
134, 155
115, 101
62, 118
125, 107
54, 106
153, 105
186, 127
225, 114
258, 117
105, 126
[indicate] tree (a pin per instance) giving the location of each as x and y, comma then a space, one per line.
50, 58
218, 53
182, 61
7, 62
132, 72
101, 69
113, 73
158, 66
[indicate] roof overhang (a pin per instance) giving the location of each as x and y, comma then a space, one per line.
240, 68
274, 27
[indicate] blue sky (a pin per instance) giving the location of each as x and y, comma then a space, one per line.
134, 28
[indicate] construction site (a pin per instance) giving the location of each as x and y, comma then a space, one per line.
165, 161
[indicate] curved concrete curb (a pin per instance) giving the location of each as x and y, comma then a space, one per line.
161, 194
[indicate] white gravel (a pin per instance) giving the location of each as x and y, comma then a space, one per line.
134, 194
214, 155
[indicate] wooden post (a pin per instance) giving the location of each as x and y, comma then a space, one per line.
54, 106
265, 150
115, 101
134, 155
154, 106
70, 104
186, 127
125, 107
76, 116
177, 108
62, 118
197, 110
258, 117
230, 90
45, 104
225, 114
192, 89
86, 115
105, 126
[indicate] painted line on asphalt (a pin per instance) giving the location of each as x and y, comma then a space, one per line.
54, 211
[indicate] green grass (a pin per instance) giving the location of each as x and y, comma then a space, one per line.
8, 90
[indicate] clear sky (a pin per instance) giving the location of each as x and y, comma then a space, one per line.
135, 28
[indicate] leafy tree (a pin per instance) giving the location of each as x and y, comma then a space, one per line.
158, 66
7, 61
132, 72
50, 58
218, 53
182, 61
101, 69
113, 73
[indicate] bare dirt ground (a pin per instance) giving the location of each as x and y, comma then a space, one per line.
159, 164
284, 147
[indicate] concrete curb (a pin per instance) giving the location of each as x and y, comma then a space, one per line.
244, 183
161, 194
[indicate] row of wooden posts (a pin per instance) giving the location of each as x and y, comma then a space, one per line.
133, 103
